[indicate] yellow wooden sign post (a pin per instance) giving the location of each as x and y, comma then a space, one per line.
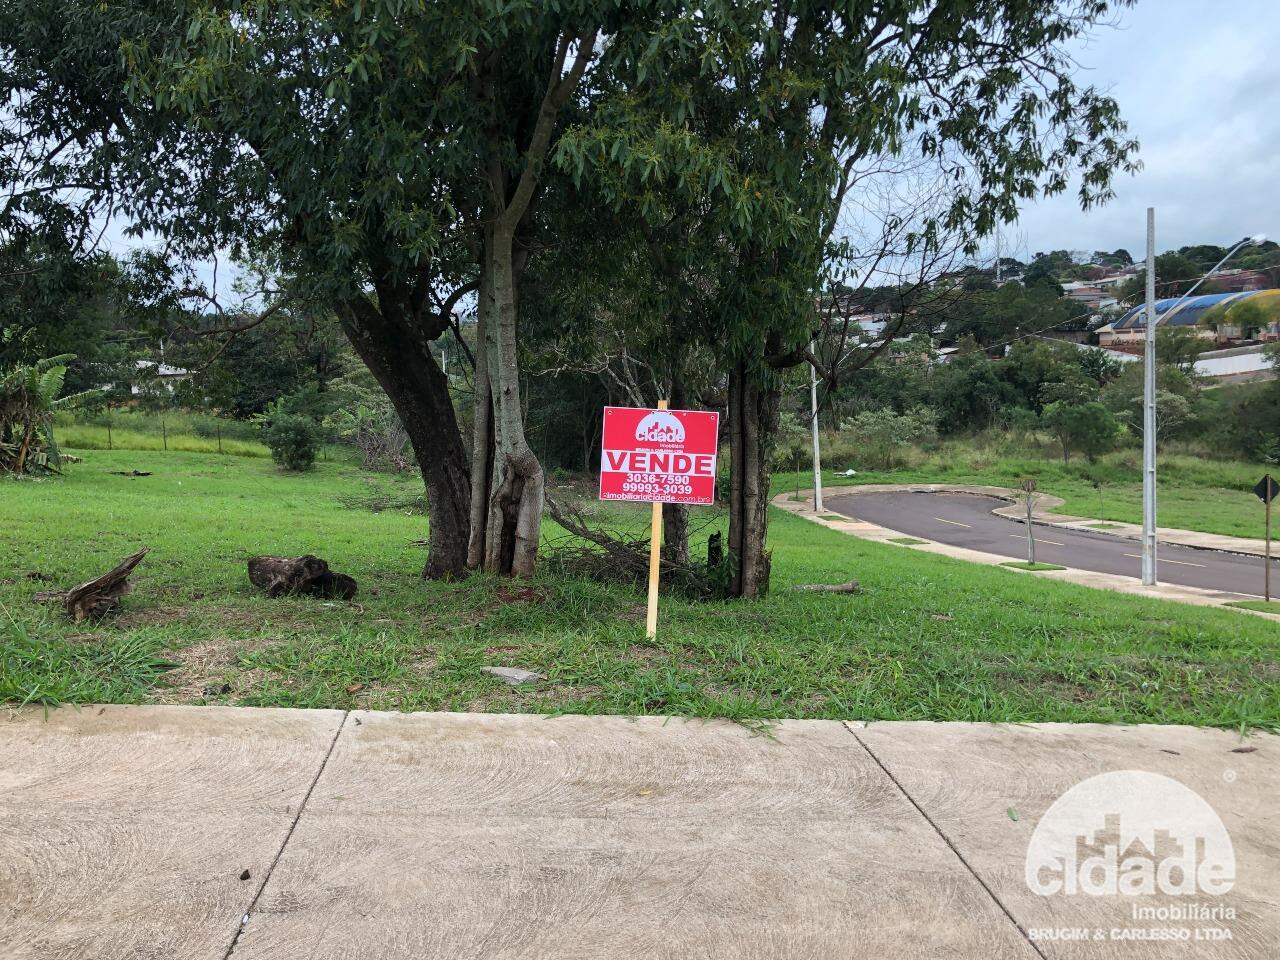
655, 561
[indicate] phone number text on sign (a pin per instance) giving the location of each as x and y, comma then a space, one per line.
665, 456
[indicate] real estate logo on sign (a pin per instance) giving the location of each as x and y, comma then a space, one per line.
662, 456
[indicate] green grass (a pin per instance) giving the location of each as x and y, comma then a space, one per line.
1023, 565
928, 637
1263, 605
1195, 492
93, 437
179, 430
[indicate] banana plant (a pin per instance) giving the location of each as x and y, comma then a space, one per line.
28, 400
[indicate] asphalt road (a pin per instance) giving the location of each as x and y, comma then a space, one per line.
966, 520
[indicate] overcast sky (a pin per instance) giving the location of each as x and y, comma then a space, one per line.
1196, 81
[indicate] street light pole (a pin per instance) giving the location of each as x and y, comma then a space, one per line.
1149, 414
1149, 389
813, 406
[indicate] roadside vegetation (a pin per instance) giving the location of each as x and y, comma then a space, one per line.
927, 638
978, 419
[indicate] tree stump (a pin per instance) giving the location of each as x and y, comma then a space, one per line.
291, 576
99, 596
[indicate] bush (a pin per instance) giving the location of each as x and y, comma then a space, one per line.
1251, 426
1088, 427
1020, 421
883, 437
377, 433
294, 440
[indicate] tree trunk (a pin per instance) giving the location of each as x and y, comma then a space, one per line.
513, 525
399, 356
515, 482
482, 428
675, 533
754, 399
101, 595
675, 516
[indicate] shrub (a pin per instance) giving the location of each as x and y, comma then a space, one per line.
377, 433
294, 440
883, 436
1020, 421
1088, 427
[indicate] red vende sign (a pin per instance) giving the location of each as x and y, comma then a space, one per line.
665, 456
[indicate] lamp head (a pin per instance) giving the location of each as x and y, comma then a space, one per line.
1258, 239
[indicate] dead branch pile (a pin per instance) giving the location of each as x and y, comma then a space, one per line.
618, 556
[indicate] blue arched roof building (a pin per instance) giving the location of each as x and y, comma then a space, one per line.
1187, 315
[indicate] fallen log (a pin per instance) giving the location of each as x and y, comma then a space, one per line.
97, 597
851, 586
291, 576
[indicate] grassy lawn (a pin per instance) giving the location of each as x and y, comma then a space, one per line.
81, 436
928, 638
1195, 493
1265, 606
177, 430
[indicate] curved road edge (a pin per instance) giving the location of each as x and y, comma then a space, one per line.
1102, 581
1046, 503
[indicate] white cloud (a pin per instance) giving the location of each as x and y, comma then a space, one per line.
1195, 81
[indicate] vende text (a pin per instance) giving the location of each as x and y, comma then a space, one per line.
659, 462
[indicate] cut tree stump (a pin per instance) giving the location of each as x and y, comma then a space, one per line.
99, 596
288, 576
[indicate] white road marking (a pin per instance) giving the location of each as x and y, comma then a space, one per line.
955, 523
1185, 563
1023, 536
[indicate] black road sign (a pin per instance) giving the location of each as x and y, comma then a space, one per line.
1267, 489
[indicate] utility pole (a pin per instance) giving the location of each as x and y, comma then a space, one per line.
1149, 577
813, 407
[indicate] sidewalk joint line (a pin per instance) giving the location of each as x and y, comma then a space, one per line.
947, 840
266, 877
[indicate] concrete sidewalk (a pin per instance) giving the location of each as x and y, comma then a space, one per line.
213, 832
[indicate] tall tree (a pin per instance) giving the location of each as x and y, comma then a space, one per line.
384, 154
768, 112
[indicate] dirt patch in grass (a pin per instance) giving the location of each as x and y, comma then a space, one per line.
210, 670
